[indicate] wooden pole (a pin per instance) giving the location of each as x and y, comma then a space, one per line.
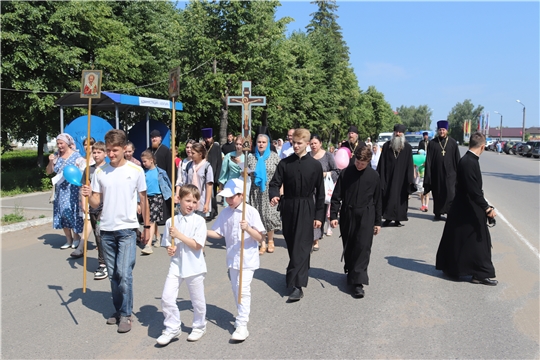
87, 202
243, 232
173, 148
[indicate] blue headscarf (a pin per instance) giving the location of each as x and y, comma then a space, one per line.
260, 168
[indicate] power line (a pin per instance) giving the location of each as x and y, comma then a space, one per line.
77, 92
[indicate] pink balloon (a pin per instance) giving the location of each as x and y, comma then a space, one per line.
349, 154
342, 158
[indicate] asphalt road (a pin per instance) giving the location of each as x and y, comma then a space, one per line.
410, 309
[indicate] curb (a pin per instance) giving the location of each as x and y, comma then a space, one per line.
24, 224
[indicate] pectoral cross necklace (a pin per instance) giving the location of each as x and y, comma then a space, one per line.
443, 147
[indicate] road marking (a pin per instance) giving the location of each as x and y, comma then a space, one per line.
521, 237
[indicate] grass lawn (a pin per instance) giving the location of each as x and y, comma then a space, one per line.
20, 173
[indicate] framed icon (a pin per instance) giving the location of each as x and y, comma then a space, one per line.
174, 76
91, 84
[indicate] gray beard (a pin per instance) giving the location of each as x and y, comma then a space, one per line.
397, 143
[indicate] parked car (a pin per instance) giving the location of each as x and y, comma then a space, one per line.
384, 137
527, 148
508, 146
489, 142
536, 150
414, 140
514, 149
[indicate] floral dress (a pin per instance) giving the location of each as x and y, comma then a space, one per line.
260, 200
67, 205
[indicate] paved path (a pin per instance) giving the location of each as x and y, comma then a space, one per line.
410, 309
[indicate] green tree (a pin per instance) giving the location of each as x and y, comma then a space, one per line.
46, 45
415, 118
377, 114
457, 116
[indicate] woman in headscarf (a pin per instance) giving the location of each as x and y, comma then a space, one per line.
67, 205
263, 163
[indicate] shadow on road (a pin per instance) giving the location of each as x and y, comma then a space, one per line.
535, 179
99, 301
275, 280
415, 265
339, 280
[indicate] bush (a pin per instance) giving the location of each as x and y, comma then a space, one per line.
24, 181
21, 159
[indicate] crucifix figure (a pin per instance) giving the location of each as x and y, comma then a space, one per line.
246, 101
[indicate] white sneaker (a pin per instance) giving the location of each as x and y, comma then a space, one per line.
196, 334
167, 336
240, 334
147, 249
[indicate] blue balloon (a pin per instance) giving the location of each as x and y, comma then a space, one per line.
73, 175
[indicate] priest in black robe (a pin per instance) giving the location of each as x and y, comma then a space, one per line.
423, 144
357, 197
396, 172
352, 141
302, 208
465, 247
213, 156
163, 157
440, 172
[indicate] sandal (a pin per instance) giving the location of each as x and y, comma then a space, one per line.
316, 245
77, 254
270, 246
262, 249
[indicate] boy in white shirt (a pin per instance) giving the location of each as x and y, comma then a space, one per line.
116, 185
229, 224
187, 264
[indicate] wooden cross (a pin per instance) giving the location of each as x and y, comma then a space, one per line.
246, 101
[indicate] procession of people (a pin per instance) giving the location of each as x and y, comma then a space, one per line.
286, 192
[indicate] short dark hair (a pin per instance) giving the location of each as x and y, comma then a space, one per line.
363, 153
476, 140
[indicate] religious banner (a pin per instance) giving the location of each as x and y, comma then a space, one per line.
174, 75
91, 84
246, 101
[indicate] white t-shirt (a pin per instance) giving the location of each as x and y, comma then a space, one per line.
118, 187
227, 225
187, 262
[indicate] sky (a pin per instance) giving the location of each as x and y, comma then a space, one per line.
440, 54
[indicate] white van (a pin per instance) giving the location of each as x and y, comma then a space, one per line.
384, 137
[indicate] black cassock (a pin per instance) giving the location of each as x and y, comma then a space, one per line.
440, 173
358, 194
213, 156
465, 247
396, 172
423, 145
163, 157
301, 204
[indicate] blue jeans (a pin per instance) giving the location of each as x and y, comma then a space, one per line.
119, 250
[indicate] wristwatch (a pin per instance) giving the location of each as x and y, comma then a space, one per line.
146, 226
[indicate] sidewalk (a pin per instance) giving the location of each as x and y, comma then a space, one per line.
35, 207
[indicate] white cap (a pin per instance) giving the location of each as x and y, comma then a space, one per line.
232, 187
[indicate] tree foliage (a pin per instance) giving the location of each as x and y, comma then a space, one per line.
457, 116
415, 118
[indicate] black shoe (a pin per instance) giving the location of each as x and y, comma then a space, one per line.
484, 281
398, 224
386, 223
358, 291
437, 217
296, 294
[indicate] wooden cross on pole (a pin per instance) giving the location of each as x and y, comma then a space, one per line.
174, 74
246, 101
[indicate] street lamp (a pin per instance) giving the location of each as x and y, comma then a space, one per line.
500, 134
523, 129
